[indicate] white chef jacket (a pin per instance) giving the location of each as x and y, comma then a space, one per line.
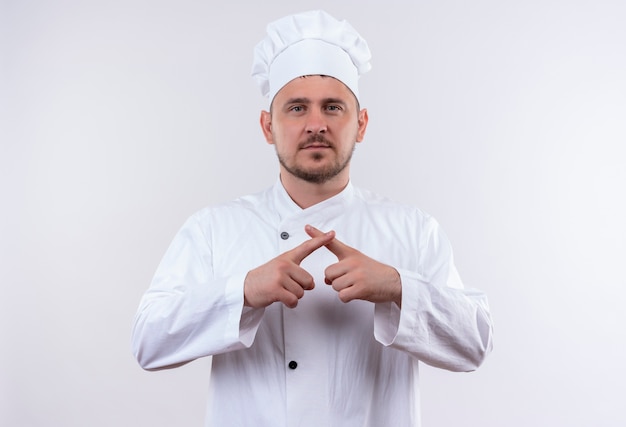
325, 362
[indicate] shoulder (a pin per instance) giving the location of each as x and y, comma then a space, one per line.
394, 210
245, 208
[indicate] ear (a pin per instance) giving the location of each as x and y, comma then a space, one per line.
266, 126
363, 119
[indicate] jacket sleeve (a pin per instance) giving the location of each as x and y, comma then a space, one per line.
187, 313
440, 322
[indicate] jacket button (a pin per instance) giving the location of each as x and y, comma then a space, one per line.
293, 364
284, 235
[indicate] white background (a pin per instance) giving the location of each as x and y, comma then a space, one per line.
505, 120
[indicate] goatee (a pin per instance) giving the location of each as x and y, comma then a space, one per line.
317, 175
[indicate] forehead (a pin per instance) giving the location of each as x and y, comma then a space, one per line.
314, 87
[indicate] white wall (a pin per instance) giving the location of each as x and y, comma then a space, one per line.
505, 120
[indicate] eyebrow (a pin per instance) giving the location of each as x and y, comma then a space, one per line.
298, 101
307, 101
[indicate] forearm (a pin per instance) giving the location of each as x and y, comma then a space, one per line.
445, 327
173, 327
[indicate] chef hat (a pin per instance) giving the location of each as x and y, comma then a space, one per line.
309, 43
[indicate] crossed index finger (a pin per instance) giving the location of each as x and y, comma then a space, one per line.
340, 249
307, 247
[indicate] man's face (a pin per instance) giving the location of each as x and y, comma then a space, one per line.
314, 126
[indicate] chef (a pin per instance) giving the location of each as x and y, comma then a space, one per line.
316, 299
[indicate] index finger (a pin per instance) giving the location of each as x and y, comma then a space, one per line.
340, 249
307, 247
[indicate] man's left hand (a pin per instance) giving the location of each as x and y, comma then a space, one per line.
357, 276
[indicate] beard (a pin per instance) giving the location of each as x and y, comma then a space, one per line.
317, 175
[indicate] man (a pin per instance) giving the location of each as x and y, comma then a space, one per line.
316, 299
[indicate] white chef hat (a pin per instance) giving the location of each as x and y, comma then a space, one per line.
309, 43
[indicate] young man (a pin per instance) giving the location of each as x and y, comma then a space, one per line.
316, 299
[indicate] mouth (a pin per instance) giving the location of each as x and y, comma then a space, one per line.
315, 146
316, 142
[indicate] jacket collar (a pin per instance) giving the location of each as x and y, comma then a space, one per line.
286, 207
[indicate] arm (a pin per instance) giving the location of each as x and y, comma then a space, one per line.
189, 313
440, 322
426, 313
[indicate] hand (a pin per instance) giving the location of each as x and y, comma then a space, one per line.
282, 279
357, 276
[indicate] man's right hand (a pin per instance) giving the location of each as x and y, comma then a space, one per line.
282, 279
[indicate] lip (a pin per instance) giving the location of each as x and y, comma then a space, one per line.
315, 146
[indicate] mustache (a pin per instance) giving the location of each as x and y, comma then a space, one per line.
316, 139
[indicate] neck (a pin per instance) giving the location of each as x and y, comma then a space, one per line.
306, 194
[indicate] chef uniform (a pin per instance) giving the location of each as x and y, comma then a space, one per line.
325, 362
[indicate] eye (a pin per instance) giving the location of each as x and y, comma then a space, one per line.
296, 108
333, 108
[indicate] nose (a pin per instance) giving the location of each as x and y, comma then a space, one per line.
316, 122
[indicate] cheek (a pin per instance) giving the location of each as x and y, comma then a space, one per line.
287, 135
